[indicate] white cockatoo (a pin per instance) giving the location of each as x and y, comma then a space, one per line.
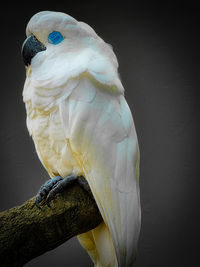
81, 124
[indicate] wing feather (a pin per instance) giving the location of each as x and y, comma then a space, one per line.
103, 139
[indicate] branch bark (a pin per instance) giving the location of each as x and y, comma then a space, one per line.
27, 232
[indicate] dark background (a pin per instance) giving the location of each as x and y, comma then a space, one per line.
158, 53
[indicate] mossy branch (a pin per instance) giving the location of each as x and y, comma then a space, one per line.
27, 232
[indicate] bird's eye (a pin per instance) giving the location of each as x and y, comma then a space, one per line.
55, 38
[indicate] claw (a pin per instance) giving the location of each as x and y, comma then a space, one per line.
52, 187
45, 189
37, 201
59, 187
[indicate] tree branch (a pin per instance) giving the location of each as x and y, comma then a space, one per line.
27, 232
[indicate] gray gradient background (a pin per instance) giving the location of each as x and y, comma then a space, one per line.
158, 53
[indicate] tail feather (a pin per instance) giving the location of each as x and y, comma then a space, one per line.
98, 243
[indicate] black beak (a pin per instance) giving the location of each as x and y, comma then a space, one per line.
30, 48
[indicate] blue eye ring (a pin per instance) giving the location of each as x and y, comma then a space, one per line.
55, 38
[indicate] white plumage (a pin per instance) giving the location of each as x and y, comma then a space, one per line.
81, 124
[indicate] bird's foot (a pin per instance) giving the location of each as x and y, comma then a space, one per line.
52, 187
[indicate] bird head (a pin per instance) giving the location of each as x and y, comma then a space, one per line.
58, 47
56, 32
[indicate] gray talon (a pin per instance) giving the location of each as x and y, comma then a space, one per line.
45, 189
52, 187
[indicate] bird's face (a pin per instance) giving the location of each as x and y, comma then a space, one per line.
58, 48
54, 33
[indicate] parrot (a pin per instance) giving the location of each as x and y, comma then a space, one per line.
81, 125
